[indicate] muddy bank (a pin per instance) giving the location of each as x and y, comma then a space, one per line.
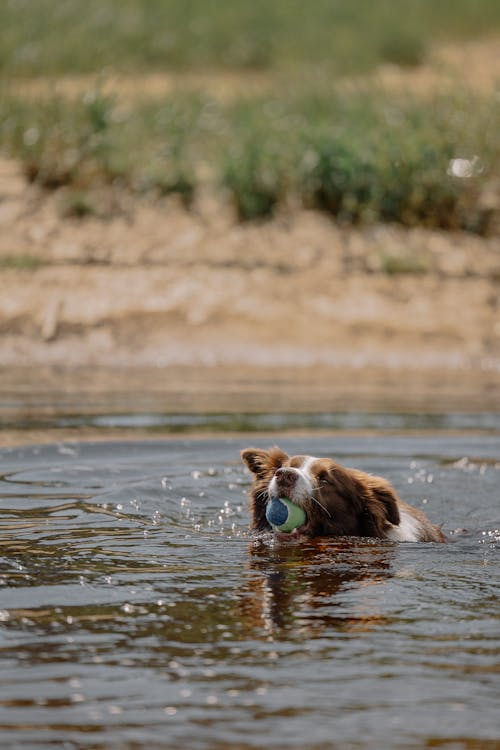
149, 283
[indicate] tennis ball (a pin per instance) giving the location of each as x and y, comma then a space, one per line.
284, 515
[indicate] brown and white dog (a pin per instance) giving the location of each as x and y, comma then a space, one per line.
337, 501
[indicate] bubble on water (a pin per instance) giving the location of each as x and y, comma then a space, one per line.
115, 710
156, 518
464, 464
186, 693
66, 450
212, 700
77, 698
490, 537
170, 710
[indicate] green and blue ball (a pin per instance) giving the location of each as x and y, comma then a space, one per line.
283, 515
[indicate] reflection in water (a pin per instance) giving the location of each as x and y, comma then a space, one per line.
136, 609
295, 588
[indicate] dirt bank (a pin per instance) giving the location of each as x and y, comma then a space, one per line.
150, 283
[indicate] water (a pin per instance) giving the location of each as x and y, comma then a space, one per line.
137, 611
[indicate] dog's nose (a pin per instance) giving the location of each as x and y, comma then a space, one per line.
286, 477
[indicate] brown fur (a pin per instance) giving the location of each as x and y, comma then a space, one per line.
344, 502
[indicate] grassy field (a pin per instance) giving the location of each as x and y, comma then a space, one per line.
361, 154
41, 37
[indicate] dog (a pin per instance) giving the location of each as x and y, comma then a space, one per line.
337, 501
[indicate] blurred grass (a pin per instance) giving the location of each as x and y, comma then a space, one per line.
55, 37
363, 156
19, 262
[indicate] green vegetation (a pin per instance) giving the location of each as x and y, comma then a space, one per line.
76, 204
20, 262
54, 37
362, 156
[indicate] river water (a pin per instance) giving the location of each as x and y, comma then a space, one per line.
137, 611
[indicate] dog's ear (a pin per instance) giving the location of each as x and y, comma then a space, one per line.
381, 507
262, 463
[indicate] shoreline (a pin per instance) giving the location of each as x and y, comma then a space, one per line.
47, 405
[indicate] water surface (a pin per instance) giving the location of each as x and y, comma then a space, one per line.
137, 611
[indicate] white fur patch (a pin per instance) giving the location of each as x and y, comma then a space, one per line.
303, 487
308, 462
409, 529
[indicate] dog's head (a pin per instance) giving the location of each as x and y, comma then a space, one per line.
337, 501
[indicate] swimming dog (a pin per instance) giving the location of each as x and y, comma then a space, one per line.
337, 501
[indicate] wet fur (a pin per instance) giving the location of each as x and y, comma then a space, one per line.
343, 502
